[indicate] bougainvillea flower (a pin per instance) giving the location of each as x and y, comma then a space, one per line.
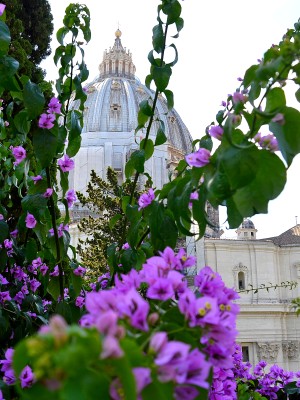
19, 153
146, 199
30, 221
54, 106
66, 163
216, 131
46, 121
2, 8
199, 158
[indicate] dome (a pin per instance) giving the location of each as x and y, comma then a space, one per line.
110, 120
114, 96
247, 224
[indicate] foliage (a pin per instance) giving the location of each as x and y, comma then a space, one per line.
31, 27
105, 223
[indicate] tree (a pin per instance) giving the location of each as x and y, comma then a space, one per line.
31, 27
107, 223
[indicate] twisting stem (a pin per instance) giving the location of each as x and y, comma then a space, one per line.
51, 207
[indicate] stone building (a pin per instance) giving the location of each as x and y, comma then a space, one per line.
268, 327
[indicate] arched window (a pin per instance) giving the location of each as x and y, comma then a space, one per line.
241, 280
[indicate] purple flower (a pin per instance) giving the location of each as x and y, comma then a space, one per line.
46, 121
79, 271
216, 131
185, 393
36, 178
44, 268
30, 221
146, 199
3, 281
19, 153
55, 272
2, 8
238, 97
161, 290
193, 196
48, 193
125, 246
54, 106
111, 348
199, 158
79, 302
71, 197
14, 233
26, 377
60, 230
66, 163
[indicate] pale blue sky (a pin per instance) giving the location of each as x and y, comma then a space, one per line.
219, 42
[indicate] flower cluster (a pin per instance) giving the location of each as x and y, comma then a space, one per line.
26, 377
268, 384
268, 142
46, 120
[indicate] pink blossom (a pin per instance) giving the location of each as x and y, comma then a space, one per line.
79, 302
55, 272
79, 271
2, 8
46, 121
238, 97
54, 106
111, 348
216, 131
14, 233
36, 178
48, 193
26, 377
19, 153
146, 199
71, 197
30, 221
125, 246
66, 163
1, 217
199, 158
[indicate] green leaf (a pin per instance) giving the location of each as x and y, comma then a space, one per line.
173, 10
34, 204
3, 230
31, 250
275, 99
239, 165
161, 76
74, 126
45, 146
297, 94
148, 147
8, 67
60, 35
161, 137
170, 99
34, 100
138, 160
158, 38
21, 122
233, 215
267, 185
158, 390
250, 76
288, 133
4, 38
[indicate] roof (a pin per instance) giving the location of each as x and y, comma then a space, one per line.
287, 238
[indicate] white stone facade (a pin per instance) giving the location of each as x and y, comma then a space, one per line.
267, 325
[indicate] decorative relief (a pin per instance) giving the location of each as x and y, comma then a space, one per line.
291, 349
267, 351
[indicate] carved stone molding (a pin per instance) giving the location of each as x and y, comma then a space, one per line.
291, 349
267, 351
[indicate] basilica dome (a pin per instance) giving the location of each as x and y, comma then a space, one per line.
110, 119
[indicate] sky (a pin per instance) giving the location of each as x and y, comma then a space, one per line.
219, 41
